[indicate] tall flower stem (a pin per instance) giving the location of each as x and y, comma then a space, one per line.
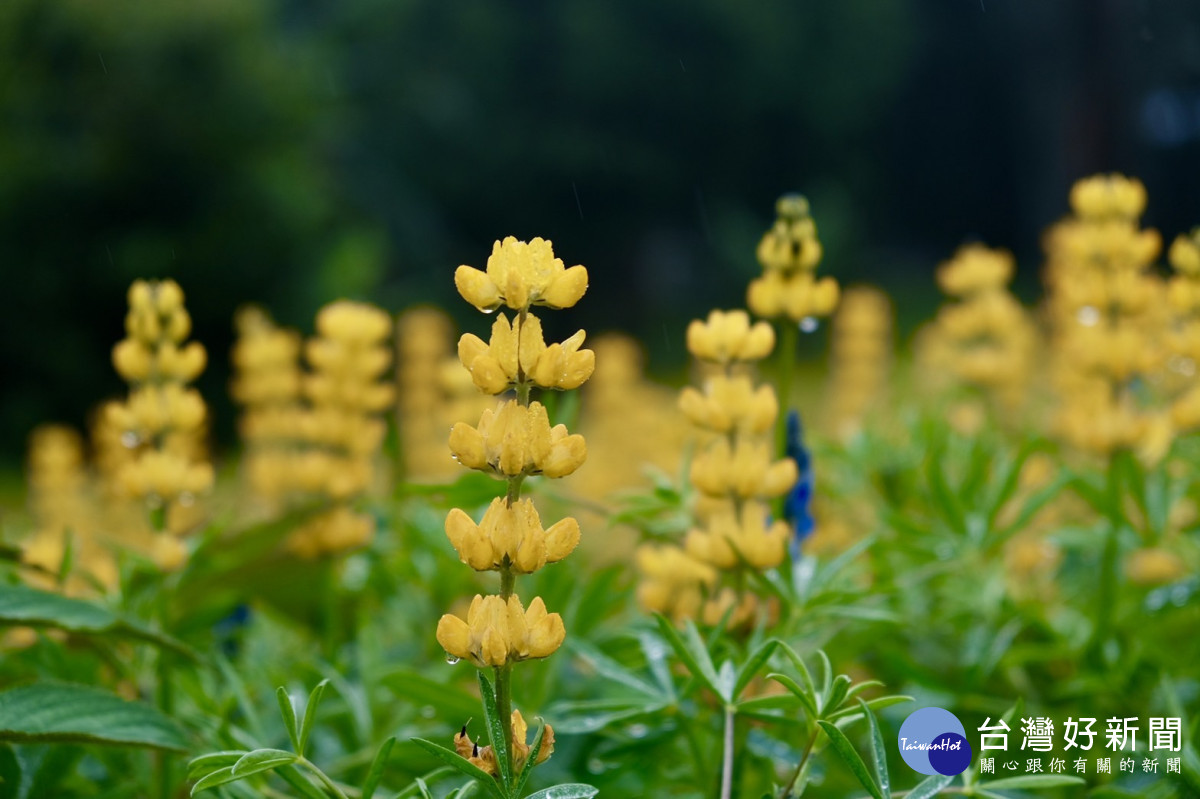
1106, 593
785, 373
728, 753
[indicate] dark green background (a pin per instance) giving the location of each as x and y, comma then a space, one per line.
291, 153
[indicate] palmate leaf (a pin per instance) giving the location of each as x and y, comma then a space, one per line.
65, 713
30, 607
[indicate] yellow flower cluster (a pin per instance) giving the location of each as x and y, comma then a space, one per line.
860, 357
63, 512
1107, 313
267, 382
735, 473
512, 442
162, 421
985, 340
789, 254
342, 429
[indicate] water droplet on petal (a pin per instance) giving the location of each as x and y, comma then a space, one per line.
809, 324
1088, 316
130, 439
451, 659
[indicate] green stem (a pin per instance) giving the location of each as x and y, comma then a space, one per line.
165, 694
787, 790
323, 777
1106, 592
504, 709
727, 755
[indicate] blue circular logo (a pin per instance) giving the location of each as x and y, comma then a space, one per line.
933, 741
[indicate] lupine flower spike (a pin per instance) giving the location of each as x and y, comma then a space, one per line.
512, 442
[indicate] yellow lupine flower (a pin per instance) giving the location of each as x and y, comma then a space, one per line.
518, 349
1184, 254
730, 402
728, 336
744, 469
1108, 196
726, 541
515, 440
520, 274
510, 535
789, 253
671, 581
1154, 566
497, 632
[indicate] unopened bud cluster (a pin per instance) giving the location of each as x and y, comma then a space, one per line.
789, 254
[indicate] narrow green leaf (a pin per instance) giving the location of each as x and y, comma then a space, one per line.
423, 788
875, 704
878, 753
310, 716
566, 791
756, 661
530, 762
944, 498
463, 765
1033, 781
808, 700
64, 713
826, 674
805, 675
699, 650
464, 792
845, 750
288, 711
30, 607
205, 764
261, 760
709, 677
496, 731
376, 772
836, 694
218, 777
610, 669
929, 786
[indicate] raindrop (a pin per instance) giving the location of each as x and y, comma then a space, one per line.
638, 730
809, 324
451, 659
595, 765
130, 439
1088, 315
491, 310
429, 711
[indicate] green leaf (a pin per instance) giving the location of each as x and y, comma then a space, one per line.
929, 786
875, 704
310, 715
944, 498
496, 731
610, 669
10, 774
464, 792
845, 750
805, 675
702, 671
463, 765
878, 753
64, 713
572, 790
756, 661
29, 607
288, 711
206, 764
530, 762
218, 777
837, 693
807, 699
377, 765
261, 760
1033, 781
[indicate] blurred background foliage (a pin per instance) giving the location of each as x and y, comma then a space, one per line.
290, 152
